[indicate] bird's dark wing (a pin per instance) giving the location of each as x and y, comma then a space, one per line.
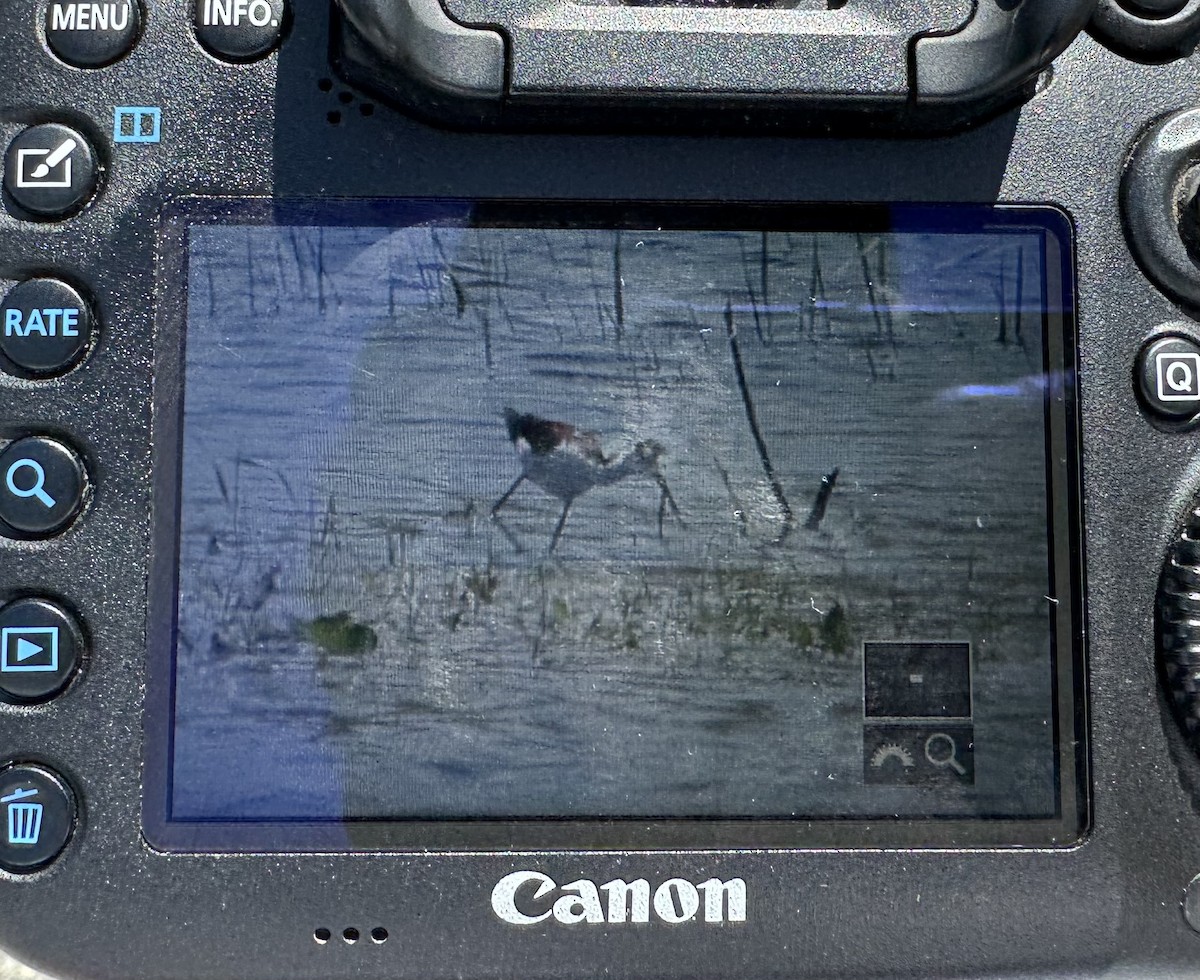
545, 436
542, 435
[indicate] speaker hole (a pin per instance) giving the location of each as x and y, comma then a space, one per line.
345, 98
325, 84
379, 935
350, 936
334, 118
322, 936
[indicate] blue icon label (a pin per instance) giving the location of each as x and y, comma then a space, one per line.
29, 650
24, 818
37, 485
137, 124
43, 323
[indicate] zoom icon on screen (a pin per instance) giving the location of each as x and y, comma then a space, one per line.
917, 714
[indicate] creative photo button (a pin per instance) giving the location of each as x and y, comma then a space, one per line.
240, 30
37, 817
46, 328
51, 171
92, 35
1168, 377
42, 484
41, 645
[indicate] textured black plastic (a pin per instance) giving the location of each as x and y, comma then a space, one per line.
1158, 202
1179, 626
566, 65
1152, 32
113, 907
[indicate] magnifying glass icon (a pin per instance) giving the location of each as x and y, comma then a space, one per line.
38, 489
942, 751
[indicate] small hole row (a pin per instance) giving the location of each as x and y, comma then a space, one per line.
350, 936
335, 117
367, 109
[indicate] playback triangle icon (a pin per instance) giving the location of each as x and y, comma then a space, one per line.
29, 650
26, 650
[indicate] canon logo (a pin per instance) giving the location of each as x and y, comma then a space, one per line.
526, 898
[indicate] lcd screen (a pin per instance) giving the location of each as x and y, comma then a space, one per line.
530, 515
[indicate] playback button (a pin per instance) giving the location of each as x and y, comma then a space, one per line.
42, 487
41, 646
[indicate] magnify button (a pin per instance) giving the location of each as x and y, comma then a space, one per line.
941, 750
42, 486
38, 487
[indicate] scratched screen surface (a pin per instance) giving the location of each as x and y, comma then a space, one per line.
493, 522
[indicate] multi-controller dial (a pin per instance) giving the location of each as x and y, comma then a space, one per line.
1178, 626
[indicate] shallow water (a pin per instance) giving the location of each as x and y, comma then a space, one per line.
345, 444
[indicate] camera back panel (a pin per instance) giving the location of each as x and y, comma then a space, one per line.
190, 144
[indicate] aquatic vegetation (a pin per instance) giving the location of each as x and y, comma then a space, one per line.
340, 634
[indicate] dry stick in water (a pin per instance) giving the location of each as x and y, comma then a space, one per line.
822, 501
870, 281
758, 327
752, 418
485, 323
1020, 290
1002, 301
618, 286
738, 510
764, 283
817, 295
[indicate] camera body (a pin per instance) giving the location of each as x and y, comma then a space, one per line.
312, 130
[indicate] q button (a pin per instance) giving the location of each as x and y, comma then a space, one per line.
1168, 377
42, 487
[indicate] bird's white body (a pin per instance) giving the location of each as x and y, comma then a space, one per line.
566, 462
565, 472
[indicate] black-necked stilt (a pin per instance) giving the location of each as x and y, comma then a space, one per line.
566, 461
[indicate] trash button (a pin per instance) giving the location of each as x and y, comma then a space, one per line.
37, 817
